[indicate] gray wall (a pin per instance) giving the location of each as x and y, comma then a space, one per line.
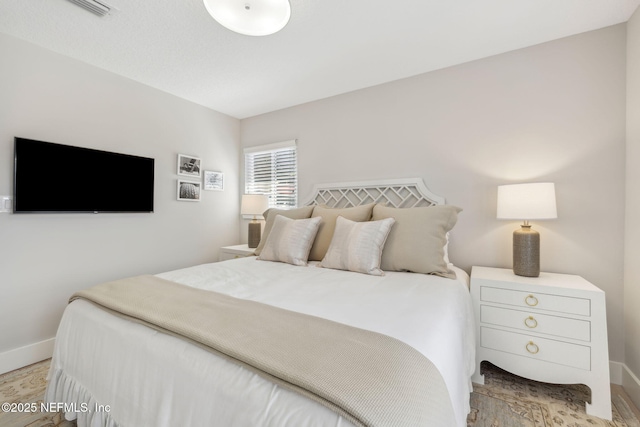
552, 112
44, 258
632, 231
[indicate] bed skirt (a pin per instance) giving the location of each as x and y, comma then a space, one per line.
75, 401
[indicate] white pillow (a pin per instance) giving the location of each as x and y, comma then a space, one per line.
357, 246
290, 240
270, 216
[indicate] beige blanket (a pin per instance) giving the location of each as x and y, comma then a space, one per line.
370, 378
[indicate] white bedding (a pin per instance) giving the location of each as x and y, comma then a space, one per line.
152, 379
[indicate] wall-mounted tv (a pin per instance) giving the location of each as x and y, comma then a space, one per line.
51, 178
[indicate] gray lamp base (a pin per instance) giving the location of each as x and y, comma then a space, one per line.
254, 234
526, 252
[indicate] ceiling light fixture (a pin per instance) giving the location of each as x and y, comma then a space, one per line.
250, 17
96, 7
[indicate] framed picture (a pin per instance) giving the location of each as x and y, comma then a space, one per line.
188, 191
188, 165
213, 180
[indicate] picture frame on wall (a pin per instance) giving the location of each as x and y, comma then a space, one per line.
189, 165
213, 180
188, 191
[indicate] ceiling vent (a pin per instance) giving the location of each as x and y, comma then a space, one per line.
98, 8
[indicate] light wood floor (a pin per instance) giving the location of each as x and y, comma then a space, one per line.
620, 390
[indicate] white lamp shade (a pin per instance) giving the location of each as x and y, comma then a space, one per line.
250, 17
254, 204
527, 201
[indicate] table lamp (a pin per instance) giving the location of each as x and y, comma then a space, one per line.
254, 204
526, 202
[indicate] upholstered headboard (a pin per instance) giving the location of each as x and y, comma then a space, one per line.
398, 193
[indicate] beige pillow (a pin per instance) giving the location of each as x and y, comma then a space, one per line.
290, 240
329, 216
357, 246
417, 241
270, 215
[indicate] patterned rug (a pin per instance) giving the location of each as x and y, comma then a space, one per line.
26, 386
504, 401
508, 400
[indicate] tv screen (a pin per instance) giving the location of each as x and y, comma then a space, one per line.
52, 177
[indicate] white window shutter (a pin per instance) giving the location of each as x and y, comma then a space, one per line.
273, 170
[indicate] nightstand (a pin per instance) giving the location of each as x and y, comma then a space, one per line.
551, 328
237, 251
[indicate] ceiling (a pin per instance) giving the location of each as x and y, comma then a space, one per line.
329, 46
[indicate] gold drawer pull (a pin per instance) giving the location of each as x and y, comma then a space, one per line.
531, 301
531, 322
532, 347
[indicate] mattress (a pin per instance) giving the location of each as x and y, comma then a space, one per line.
140, 377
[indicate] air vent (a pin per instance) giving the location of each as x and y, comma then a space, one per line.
93, 6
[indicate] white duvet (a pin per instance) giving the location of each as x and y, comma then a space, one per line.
151, 379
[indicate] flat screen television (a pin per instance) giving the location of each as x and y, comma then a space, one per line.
51, 178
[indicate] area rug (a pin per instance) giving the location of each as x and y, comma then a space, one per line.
26, 386
508, 400
505, 400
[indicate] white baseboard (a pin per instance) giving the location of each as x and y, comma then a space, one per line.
23, 356
631, 385
615, 372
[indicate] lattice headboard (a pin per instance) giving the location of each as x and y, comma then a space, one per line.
399, 193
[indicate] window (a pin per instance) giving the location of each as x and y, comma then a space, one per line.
273, 170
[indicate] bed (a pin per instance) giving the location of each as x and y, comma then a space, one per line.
111, 370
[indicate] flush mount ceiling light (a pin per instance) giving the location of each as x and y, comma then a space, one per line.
96, 7
250, 17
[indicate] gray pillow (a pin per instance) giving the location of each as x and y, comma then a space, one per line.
416, 242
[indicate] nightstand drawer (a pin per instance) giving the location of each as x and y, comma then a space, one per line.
561, 353
536, 322
537, 301
233, 252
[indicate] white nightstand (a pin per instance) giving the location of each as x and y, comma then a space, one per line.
237, 251
551, 328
